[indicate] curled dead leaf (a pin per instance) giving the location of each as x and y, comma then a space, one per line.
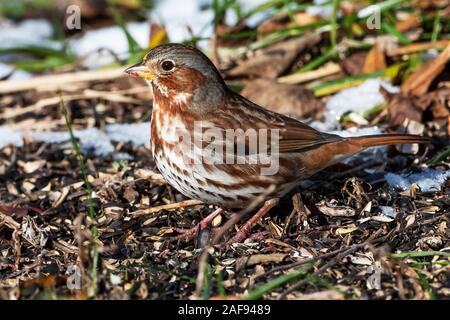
331, 210
346, 229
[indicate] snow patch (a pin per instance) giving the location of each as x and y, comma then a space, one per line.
358, 99
428, 180
27, 32
91, 140
388, 211
97, 45
8, 71
136, 133
9, 136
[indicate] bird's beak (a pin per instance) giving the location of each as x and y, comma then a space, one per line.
140, 70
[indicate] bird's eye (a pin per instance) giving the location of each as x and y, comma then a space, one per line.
167, 65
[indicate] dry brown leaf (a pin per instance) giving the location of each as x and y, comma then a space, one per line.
374, 60
60, 196
260, 259
303, 18
11, 209
419, 81
417, 47
320, 295
411, 22
130, 194
273, 61
283, 21
283, 98
426, 4
335, 211
346, 229
401, 107
354, 63
31, 166
439, 103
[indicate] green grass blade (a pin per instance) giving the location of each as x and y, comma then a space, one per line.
333, 33
90, 201
436, 27
439, 157
277, 282
391, 30
133, 46
420, 254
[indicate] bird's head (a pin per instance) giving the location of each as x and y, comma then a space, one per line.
181, 75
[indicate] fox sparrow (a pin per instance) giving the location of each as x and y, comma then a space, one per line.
212, 144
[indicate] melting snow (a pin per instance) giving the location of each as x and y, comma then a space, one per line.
428, 180
91, 140
27, 32
322, 8
388, 211
358, 99
111, 39
137, 133
9, 136
14, 74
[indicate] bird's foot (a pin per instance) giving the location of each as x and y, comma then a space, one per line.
189, 234
244, 232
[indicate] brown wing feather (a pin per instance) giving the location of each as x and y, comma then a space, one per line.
295, 136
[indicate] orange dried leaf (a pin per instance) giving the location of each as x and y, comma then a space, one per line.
374, 60
411, 22
419, 81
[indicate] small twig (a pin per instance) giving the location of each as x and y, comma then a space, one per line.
170, 206
9, 221
323, 256
86, 94
11, 86
326, 266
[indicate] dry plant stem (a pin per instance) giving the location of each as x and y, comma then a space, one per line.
11, 86
327, 70
324, 256
86, 94
326, 266
170, 206
417, 47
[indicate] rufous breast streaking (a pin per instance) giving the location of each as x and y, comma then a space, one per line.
196, 134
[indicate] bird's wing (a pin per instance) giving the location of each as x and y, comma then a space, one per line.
296, 136
293, 135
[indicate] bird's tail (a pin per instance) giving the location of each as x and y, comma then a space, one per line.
385, 139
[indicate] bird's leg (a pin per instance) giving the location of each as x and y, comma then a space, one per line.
189, 234
244, 231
